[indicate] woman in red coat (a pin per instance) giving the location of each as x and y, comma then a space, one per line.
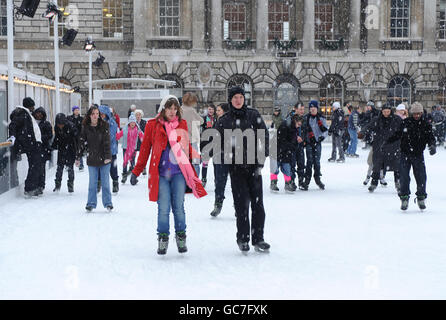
167, 141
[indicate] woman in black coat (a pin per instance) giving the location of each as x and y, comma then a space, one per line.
385, 155
46, 129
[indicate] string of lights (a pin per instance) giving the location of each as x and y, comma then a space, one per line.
35, 84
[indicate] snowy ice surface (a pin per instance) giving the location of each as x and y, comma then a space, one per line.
341, 243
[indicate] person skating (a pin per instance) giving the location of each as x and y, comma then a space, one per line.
77, 120
208, 122
288, 138
66, 143
139, 114
385, 155
166, 140
315, 130
95, 138
298, 158
353, 129
106, 115
337, 130
25, 137
131, 133
245, 164
221, 170
415, 133
46, 130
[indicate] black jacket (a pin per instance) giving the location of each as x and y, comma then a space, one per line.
385, 150
287, 140
46, 130
66, 142
337, 126
96, 140
77, 122
21, 127
244, 119
142, 127
414, 135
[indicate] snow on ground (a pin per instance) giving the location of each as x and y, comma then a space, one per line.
341, 243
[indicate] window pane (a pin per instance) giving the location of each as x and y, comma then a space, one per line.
112, 18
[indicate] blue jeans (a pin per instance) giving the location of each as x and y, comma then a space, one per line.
102, 172
353, 141
171, 194
284, 167
221, 177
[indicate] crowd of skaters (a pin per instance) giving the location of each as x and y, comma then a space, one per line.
396, 138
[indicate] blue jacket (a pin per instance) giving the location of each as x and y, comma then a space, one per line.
113, 128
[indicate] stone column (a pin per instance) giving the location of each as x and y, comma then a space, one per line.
216, 28
373, 24
140, 15
308, 40
262, 25
355, 25
430, 21
198, 25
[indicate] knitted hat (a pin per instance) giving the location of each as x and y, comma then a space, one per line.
132, 118
386, 106
74, 108
61, 118
28, 103
401, 107
235, 90
371, 103
416, 108
314, 104
277, 108
163, 102
336, 105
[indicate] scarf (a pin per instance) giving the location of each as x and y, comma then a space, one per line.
186, 168
36, 129
319, 122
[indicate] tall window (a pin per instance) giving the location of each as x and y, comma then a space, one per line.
243, 81
324, 20
234, 21
442, 21
400, 19
62, 4
399, 91
3, 19
169, 13
112, 19
331, 89
278, 20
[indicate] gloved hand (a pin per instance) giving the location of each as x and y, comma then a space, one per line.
432, 150
133, 179
12, 140
320, 139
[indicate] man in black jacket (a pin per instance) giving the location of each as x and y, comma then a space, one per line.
76, 119
25, 136
415, 133
47, 135
66, 142
337, 130
246, 177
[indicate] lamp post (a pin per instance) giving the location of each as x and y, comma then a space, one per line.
89, 47
10, 17
56, 62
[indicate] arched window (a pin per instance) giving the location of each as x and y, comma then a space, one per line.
286, 92
331, 89
245, 82
442, 93
399, 91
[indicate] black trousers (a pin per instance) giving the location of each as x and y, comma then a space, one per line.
42, 174
247, 190
419, 172
34, 167
221, 177
59, 172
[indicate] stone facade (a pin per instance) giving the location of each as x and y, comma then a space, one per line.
306, 63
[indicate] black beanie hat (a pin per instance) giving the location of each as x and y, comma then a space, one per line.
235, 90
61, 118
28, 103
386, 106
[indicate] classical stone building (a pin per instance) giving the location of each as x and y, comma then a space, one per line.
280, 51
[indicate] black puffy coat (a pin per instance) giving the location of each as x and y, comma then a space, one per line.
77, 122
142, 127
414, 135
65, 141
46, 130
337, 127
97, 141
385, 151
244, 119
21, 127
287, 141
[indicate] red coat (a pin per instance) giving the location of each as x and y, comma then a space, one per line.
154, 143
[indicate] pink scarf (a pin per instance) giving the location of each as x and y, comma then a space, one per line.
180, 156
